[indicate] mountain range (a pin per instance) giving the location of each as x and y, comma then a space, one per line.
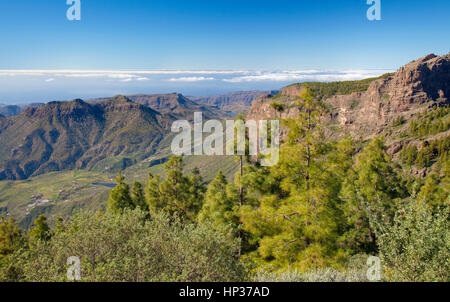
104, 133
11, 110
77, 135
236, 102
174, 103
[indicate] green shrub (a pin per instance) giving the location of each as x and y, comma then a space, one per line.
398, 121
409, 155
415, 245
129, 247
319, 275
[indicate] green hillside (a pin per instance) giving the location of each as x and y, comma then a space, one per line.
72, 190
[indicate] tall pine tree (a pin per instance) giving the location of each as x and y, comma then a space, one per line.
40, 231
371, 183
11, 237
218, 206
138, 197
177, 193
298, 220
119, 197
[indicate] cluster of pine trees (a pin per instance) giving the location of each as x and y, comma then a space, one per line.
429, 123
175, 194
429, 154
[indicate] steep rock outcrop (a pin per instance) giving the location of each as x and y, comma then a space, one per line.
414, 87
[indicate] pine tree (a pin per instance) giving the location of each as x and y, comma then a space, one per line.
278, 107
241, 159
177, 193
218, 207
298, 222
436, 190
40, 231
372, 182
196, 189
174, 188
152, 193
59, 225
409, 155
237, 191
11, 238
377, 180
119, 197
137, 196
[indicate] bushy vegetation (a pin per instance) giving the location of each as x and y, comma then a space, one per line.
318, 275
127, 247
398, 121
415, 244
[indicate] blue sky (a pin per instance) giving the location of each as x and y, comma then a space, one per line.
256, 37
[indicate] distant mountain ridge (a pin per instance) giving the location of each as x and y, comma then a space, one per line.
236, 102
214, 106
11, 110
106, 132
174, 104
77, 135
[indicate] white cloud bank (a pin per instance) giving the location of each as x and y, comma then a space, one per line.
191, 79
228, 76
20, 86
308, 75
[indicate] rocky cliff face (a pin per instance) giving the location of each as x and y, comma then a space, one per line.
414, 87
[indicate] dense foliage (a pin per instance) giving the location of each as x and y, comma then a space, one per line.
432, 122
129, 247
415, 244
430, 153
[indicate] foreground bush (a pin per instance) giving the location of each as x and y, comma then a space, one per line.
319, 275
356, 269
129, 247
415, 246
